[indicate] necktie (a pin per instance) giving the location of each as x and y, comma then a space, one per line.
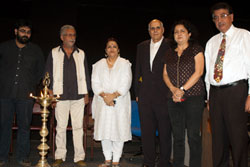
218, 67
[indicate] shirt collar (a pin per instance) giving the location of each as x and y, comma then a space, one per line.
75, 48
25, 46
229, 31
156, 43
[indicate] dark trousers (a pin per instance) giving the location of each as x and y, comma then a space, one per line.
229, 125
153, 116
187, 115
23, 109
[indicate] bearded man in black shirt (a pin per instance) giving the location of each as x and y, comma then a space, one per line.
21, 69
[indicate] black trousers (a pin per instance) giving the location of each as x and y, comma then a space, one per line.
154, 115
186, 115
23, 109
229, 125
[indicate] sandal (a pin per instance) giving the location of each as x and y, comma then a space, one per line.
105, 164
116, 165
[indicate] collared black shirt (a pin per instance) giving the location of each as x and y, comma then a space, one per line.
70, 88
21, 69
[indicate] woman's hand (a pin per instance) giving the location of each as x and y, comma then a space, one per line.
177, 94
108, 98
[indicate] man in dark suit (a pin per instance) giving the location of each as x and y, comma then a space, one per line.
151, 95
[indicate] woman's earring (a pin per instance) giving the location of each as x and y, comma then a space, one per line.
106, 55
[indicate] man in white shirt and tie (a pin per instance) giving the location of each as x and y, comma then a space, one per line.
227, 88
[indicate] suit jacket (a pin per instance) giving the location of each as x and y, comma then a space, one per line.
152, 84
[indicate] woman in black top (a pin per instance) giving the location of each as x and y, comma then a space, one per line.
182, 73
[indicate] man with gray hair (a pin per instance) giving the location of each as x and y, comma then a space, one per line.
67, 66
151, 95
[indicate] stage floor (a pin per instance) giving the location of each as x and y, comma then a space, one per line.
128, 159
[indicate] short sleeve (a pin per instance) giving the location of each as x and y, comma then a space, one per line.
197, 49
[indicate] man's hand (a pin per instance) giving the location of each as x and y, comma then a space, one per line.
53, 104
207, 105
50, 92
247, 104
86, 99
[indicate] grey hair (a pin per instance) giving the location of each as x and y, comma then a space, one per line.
155, 20
65, 27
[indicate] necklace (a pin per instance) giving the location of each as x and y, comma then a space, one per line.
110, 63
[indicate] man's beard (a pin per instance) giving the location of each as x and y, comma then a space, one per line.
22, 39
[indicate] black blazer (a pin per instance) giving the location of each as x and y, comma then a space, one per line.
152, 83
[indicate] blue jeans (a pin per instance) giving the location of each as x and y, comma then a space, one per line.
23, 109
186, 115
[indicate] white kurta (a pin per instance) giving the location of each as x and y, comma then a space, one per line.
112, 123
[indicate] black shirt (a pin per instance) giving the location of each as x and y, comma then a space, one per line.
70, 89
21, 69
180, 69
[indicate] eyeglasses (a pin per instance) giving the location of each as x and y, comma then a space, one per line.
222, 16
24, 31
70, 35
154, 28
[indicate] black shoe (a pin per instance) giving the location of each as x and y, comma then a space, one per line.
116, 165
2, 163
25, 163
143, 165
57, 163
80, 163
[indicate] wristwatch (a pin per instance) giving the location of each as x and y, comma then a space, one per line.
182, 88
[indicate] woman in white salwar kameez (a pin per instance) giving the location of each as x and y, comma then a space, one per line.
111, 106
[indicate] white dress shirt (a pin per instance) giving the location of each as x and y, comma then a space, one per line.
236, 65
153, 50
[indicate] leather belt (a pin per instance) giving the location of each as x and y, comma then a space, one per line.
229, 84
